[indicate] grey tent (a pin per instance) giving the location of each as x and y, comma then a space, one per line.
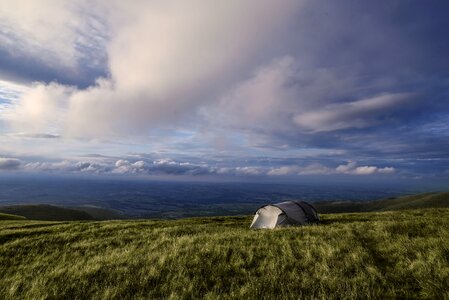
288, 213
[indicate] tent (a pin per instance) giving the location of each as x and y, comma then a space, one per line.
288, 213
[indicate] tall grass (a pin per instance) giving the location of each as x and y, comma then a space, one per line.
383, 255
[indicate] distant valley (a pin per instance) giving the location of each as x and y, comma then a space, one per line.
91, 213
152, 199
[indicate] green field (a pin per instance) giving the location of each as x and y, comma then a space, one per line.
402, 254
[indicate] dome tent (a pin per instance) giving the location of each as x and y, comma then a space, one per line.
288, 213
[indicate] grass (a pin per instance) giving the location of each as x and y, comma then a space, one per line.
402, 254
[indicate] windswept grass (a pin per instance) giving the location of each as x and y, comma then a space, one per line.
402, 254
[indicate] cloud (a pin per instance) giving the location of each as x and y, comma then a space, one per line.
243, 171
41, 110
125, 167
167, 166
318, 169
165, 65
38, 135
9, 163
29, 24
274, 80
294, 170
356, 114
120, 167
161, 167
68, 167
52, 39
352, 168
264, 100
282, 97
284, 170
386, 170
145, 165
160, 56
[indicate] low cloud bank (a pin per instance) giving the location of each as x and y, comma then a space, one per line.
352, 168
169, 167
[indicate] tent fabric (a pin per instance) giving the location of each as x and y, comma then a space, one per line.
288, 213
294, 213
310, 211
267, 217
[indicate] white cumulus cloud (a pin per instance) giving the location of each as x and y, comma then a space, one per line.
352, 168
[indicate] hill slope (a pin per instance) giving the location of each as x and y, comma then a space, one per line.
11, 217
46, 212
429, 200
99, 213
402, 254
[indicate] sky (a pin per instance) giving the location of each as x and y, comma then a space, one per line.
244, 90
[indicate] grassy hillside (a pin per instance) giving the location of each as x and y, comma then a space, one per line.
402, 254
429, 200
46, 212
10, 217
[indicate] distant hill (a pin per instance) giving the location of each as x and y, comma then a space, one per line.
428, 200
10, 217
99, 213
56, 213
46, 212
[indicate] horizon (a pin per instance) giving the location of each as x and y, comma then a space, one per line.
291, 92
176, 199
